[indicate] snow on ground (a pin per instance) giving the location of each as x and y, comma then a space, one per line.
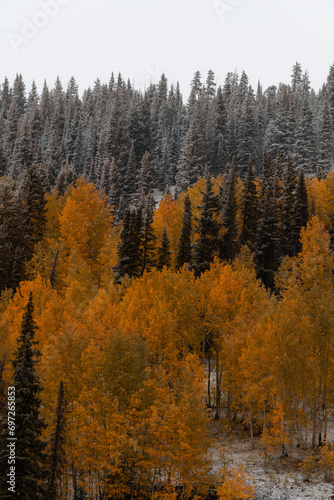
275, 484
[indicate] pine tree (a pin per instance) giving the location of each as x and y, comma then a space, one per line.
129, 182
289, 187
148, 239
219, 152
304, 149
32, 197
193, 158
115, 185
129, 249
250, 208
208, 227
326, 149
146, 181
267, 244
300, 212
11, 241
184, 244
229, 213
30, 470
247, 133
3, 162
164, 253
57, 446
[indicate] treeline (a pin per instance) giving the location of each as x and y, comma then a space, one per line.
152, 322
115, 122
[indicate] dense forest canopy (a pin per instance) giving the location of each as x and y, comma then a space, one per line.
216, 124
151, 317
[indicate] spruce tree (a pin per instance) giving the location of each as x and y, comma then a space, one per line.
267, 244
326, 149
300, 212
288, 201
129, 181
30, 469
32, 198
304, 150
193, 157
184, 244
146, 180
129, 248
208, 227
164, 253
115, 186
250, 208
229, 213
148, 239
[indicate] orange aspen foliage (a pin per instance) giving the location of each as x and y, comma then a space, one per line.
168, 215
321, 199
235, 485
84, 225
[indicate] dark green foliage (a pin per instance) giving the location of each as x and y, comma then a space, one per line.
250, 208
304, 148
13, 237
288, 202
130, 246
208, 230
115, 186
164, 253
267, 245
300, 212
31, 196
193, 157
148, 239
30, 466
146, 181
228, 246
184, 255
129, 181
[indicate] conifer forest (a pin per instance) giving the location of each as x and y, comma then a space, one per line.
167, 284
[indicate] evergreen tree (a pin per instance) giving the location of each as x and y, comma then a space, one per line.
250, 208
325, 155
300, 212
30, 470
12, 244
247, 133
146, 181
148, 239
3, 162
184, 244
164, 253
129, 181
193, 158
115, 185
129, 249
304, 149
289, 188
229, 213
32, 198
208, 227
267, 244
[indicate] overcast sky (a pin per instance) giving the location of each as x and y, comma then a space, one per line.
142, 38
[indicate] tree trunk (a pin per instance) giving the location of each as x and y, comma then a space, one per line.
251, 424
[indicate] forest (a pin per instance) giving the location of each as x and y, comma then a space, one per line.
164, 267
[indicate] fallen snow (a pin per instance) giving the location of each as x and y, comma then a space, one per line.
274, 484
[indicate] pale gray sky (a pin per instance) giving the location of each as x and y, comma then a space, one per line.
143, 38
